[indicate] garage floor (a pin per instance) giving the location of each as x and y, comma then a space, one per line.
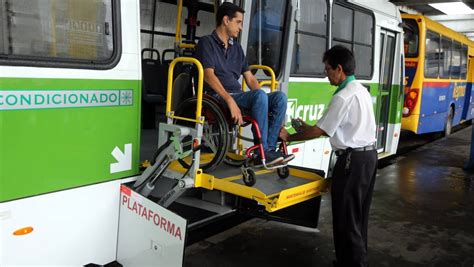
422, 215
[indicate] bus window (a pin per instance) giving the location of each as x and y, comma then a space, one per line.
57, 31
431, 54
463, 62
456, 61
354, 29
310, 38
363, 29
207, 23
267, 24
162, 34
342, 24
146, 13
445, 57
410, 39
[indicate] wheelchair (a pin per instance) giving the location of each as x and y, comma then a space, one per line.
222, 139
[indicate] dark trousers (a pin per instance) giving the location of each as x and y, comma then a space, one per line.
351, 194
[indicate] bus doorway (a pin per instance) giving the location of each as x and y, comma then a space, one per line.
382, 112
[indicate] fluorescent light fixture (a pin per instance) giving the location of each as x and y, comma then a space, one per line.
453, 8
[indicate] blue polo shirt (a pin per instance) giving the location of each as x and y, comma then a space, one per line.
228, 64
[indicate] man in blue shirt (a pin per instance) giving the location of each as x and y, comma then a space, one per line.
224, 61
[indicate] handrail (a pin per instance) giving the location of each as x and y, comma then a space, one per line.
178, 22
169, 97
273, 81
189, 46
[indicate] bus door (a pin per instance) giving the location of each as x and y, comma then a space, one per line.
387, 60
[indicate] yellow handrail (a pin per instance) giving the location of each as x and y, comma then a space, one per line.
273, 82
189, 46
169, 97
178, 22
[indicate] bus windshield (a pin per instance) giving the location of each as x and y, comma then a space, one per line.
411, 38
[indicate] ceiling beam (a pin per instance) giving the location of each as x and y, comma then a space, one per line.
469, 3
420, 2
445, 18
461, 24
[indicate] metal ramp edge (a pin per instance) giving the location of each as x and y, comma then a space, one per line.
314, 185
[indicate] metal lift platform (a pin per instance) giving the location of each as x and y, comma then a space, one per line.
270, 190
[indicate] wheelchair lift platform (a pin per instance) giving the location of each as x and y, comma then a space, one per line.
270, 190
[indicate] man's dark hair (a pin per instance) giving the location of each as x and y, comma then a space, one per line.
340, 55
227, 9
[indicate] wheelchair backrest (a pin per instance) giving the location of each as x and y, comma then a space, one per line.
182, 89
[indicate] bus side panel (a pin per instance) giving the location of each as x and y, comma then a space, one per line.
468, 112
458, 100
69, 228
48, 146
308, 101
434, 104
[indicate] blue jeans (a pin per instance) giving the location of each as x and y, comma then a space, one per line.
268, 110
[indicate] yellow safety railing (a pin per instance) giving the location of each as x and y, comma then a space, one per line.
178, 37
273, 83
178, 22
169, 112
189, 46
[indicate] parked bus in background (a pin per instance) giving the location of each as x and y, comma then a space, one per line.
82, 87
438, 76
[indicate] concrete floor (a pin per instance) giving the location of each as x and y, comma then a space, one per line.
422, 215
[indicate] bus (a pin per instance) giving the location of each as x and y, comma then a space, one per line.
83, 92
371, 30
438, 76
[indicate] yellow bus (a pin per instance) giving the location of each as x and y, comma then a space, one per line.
438, 76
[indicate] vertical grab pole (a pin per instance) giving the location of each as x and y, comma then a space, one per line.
178, 23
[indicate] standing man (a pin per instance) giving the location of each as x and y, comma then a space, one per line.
350, 123
224, 61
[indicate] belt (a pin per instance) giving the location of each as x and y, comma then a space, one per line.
341, 152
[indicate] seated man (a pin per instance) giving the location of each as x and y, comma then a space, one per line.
224, 61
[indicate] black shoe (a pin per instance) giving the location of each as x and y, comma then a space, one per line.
272, 157
287, 157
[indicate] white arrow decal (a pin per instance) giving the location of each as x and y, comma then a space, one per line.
124, 160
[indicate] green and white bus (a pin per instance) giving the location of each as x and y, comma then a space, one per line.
76, 121
371, 29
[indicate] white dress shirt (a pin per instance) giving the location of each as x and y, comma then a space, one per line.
349, 120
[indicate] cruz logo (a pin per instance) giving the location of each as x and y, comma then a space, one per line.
305, 112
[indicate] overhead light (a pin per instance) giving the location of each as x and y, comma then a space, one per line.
453, 8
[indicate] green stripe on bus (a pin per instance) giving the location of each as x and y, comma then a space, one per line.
46, 150
309, 100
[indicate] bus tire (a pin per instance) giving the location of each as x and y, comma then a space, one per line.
448, 127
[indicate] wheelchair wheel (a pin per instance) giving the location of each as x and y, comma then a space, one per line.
249, 178
215, 136
283, 172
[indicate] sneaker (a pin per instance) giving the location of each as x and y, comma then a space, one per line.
287, 157
272, 157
